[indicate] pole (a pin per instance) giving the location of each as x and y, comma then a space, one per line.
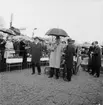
11, 20
33, 32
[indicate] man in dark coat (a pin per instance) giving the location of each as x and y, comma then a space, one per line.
36, 53
69, 53
90, 57
23, 53
96, 60
2, 49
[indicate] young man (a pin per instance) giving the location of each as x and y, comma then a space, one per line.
36, 53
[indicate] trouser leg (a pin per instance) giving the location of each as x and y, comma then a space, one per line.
97, 71
57, 73
69, 74
93, 70
64, 71
51, 73
89, 67
33, 68
24, 61
38, 68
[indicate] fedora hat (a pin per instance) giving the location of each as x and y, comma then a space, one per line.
70, 40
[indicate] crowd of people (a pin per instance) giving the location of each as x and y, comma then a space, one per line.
60, 50
13, 48
59, 53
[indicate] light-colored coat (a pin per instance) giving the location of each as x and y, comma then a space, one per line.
79, 60
55, 56
9, 49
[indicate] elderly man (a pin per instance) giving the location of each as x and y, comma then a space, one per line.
36, 53
69, 53
55, 58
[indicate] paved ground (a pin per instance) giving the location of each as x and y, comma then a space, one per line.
22, 88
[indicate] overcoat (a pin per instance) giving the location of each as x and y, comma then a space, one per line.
55, 56
96, 58
22, 48
69, 53
36, 52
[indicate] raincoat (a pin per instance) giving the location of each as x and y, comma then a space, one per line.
55, 56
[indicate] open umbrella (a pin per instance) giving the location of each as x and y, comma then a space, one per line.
86, 45
56, 32
20, 37
16, 30
8, 31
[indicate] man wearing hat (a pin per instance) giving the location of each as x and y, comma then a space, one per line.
36, 52
2, 49
91, 49
96, 60
69, 53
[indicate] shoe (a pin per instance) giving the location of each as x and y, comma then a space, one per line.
67, 80
50, 76
39, 73
91, 74
57, 77
96, 76
33, 73
64, 79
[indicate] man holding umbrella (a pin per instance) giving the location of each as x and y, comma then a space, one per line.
55, 58
56, 50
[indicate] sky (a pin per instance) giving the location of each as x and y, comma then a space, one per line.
81, 19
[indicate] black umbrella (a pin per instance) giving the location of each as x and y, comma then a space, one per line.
8, 31
16, 30
56, 32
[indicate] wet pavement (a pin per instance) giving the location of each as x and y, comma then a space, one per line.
22, 88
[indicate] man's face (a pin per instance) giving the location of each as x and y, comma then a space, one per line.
36, 40
57, 40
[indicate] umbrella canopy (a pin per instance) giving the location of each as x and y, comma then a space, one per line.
16, 30
40, 39
8, 31
24, 37
56, 32
86, 45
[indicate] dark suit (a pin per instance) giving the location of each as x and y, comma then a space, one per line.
2, 60
23, 53
36, 52
91, 49
69, 53
96, 60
